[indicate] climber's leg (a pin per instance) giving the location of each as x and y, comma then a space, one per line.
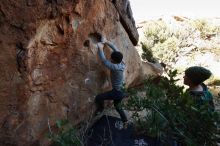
99, 100
119, 109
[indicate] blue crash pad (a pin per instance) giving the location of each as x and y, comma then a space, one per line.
109, 131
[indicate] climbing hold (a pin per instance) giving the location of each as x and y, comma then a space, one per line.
86, 43
87, 81
95, 37
75, 24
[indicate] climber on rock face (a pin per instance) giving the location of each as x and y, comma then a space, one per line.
116, 67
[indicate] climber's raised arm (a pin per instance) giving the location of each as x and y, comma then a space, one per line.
110, 44
105, 61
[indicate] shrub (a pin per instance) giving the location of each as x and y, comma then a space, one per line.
168, 41
158, 31
65, 136
170, 113
167, 51
214, 82
147, 53
205, 27
159, 43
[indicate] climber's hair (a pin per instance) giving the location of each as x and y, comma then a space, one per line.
117, 56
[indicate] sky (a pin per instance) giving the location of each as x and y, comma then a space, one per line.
147, 9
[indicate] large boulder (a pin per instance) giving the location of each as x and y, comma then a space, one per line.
49, 65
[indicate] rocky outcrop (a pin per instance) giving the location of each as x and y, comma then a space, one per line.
49, 67
126, 19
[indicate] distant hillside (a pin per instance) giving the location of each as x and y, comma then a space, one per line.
180, 42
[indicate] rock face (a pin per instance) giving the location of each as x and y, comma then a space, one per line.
49, 67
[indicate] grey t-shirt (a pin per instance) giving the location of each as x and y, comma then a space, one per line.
116, 70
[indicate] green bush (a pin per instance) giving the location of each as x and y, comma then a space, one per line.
159, 43
166, 42
205, 27
158, 31
66, 135
147, 53
215, 82
167, 51
170, 113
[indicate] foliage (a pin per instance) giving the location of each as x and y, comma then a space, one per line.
215, 82
147, 53
170, 113
167, 41
65, 136
205, 27
167, 51
157, 31
160, 42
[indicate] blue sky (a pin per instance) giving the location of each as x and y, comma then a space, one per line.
145, 9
